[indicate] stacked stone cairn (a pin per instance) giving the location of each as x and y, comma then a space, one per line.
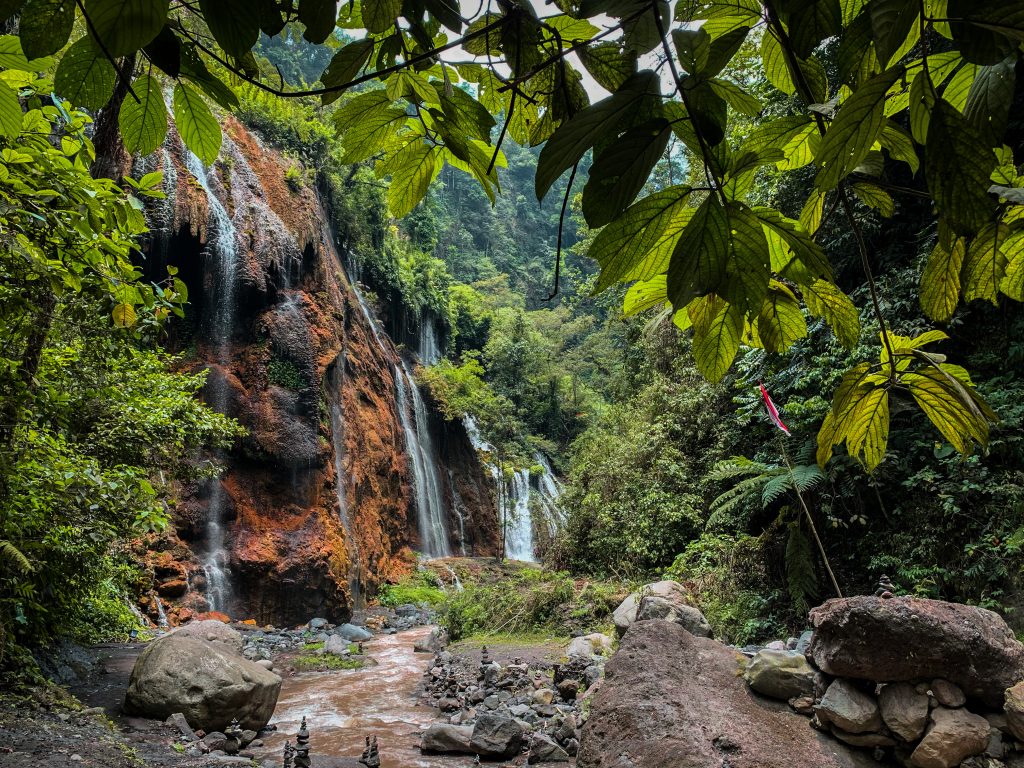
497, 711
920, 683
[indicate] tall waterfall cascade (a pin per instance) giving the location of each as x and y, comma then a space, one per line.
518, 520
429, 347
222, 245
430, 509
340, 490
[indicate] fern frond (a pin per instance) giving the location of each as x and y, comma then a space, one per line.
801, 578
737, 466
11, 555
733, 497
774, 488
807, 476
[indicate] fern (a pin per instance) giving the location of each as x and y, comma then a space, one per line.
11, 556
801, 578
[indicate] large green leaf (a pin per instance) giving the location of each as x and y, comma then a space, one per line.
320, 18
125, 26
588, 127
198, 127
854, 385
826, 301
748, 269
1013, 281
891, 21
10, 112
235, 24
700, 259
985, 264
780, 321
989, 100
789, 241
645, 295
344, 67
867, 429
12, 56
379, 15
367, 123
990, 31
84, 76
412, 169
45, 26
775, 67
620, 171
639, 244
857, 126
464, 111
607, 64
957, 167
856, 57
940, 281
143, 120
961, 417
810, 22
717, 331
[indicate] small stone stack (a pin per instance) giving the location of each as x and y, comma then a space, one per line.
302, 746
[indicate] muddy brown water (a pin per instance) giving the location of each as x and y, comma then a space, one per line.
342, 707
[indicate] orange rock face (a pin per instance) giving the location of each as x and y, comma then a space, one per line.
300, 363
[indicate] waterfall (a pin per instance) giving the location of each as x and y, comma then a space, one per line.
430, 512
338, 442
518, 522
458, 507
161, 614
222, 245
430, 349
550, 490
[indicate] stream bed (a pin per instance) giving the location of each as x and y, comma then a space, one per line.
342, 707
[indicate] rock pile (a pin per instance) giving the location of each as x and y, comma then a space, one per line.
927, 683
498, 711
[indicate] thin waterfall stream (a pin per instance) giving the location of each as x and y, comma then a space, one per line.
222, 245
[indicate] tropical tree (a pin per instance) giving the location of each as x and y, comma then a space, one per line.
920, 88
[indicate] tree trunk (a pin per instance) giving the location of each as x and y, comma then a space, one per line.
112, 159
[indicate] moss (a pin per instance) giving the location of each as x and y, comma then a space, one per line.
312, 646
312, 662
284, 373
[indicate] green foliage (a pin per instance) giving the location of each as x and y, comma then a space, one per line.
422, 588
308, 662
284, 373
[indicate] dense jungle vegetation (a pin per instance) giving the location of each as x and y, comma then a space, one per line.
823, 197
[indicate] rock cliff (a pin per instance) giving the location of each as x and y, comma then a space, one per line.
317, 501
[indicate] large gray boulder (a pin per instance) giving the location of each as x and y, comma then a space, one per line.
669, 609
354, 634
442, 737
912, 639
213, 631
780, 674
904, 710
671, 699
626, 613
594, 644
849, 709
955, 734
204, 681
496, 735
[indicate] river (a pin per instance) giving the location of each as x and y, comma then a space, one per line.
342, 707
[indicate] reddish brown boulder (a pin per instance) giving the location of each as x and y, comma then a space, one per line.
909, 638
672, 699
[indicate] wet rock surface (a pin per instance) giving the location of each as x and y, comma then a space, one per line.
643, 716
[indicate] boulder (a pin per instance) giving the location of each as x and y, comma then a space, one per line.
544, 749
780, 674
594, 644
441, 737
670, 698
213, 631
947, 694
904, 710
354, 634
204, 681
955, 734
435, 642
910, 638
496, 735
667, 609
336, 645
625, 614
1014, 706
848, 708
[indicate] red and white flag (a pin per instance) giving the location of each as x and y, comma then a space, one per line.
773, 412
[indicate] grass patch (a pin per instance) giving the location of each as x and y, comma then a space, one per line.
313, 663
312, 646
419, 589
503, 638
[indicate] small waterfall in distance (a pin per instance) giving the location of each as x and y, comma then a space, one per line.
518, 520
222, 245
